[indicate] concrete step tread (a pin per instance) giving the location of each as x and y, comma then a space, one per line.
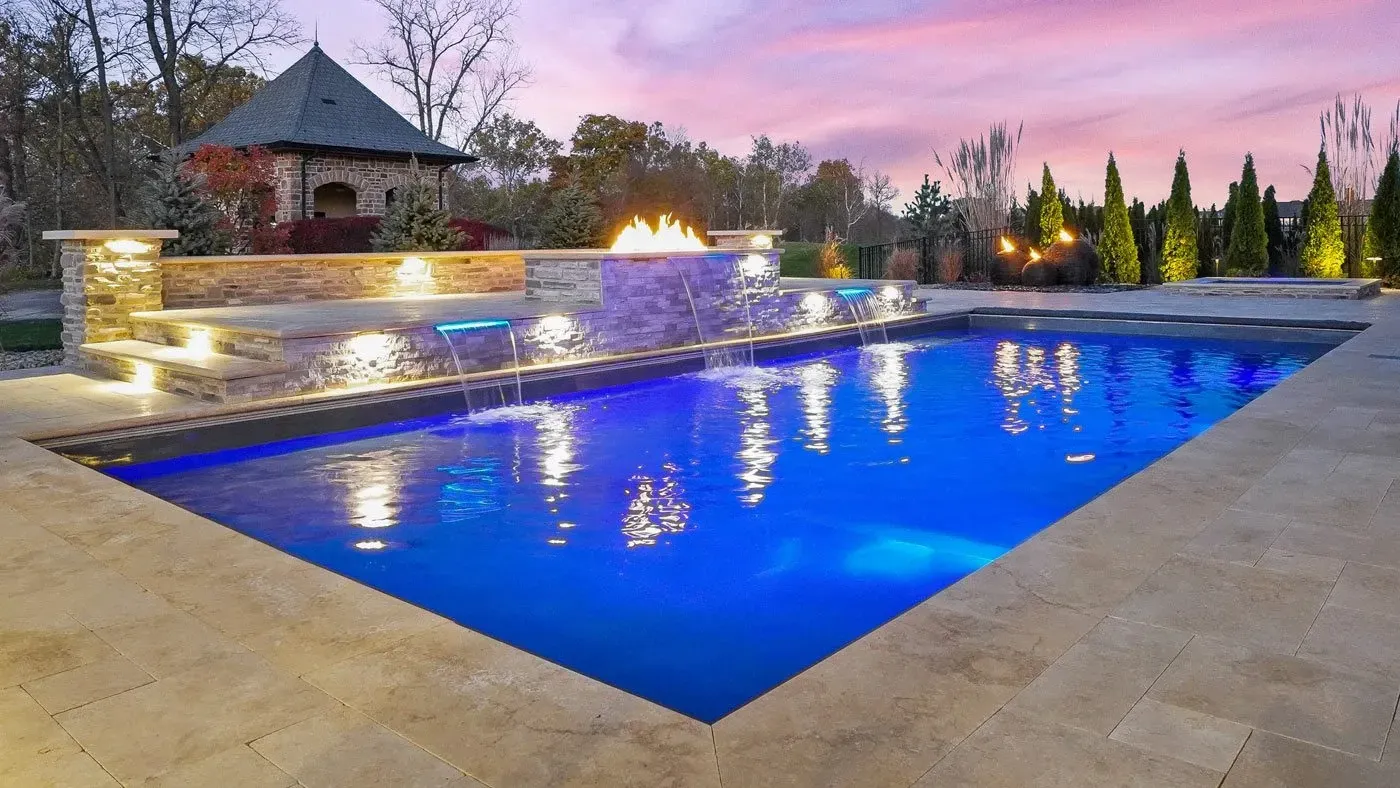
211, 365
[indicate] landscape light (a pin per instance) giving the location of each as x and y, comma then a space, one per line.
1065, 236
761, 241
127, 246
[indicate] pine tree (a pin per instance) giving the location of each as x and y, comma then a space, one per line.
414, 223
1324, 255
1273, 228
1117, 250
1052, 218
174, 202
1383, 226
573, 220
926, 211
1031, 230
1232, 209
1248, 253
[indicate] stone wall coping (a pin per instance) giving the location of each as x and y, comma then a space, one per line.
606, 254
340, 257
108, 235
740, 233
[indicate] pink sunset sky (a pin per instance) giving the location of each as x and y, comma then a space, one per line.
887, 82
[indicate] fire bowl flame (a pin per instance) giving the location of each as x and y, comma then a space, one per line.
667, 236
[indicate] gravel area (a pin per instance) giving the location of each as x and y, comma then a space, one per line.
30, 359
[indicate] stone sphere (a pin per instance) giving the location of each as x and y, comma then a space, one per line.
1038, 273
1007, 268
1076, 263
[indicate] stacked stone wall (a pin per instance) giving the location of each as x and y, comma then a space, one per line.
230, 281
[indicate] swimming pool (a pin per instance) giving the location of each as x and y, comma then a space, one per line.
697, 540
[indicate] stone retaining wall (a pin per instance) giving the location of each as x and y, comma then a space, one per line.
274, 279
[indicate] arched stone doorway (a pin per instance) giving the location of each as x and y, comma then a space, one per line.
333, 200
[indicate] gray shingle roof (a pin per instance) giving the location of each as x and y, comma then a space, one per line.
316, 104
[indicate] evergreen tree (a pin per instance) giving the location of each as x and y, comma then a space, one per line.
573, 220
1031, 231
1232, 207
1248, 252
1383, 227
1324, 255
414, 223
1118, 252
1273, 228
1051, 217
1069, 216
175, 202
926, 211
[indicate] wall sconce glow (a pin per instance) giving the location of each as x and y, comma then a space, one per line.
371, 544
754, 265
200, 344
761, 241
414, 271
556, 323
127, 246
890, 293
143, 376
1076, 459
470, 325
370, 347
814, 302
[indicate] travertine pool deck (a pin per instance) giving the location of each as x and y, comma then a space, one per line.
1229, 616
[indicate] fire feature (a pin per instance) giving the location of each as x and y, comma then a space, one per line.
667, 236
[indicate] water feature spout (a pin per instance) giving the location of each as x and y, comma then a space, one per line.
450, 330
719, 357
865, 311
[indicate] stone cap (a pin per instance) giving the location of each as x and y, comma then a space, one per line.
742, 233
108, 235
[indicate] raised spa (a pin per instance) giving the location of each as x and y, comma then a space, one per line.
697, 540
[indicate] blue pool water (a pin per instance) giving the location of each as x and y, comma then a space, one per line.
698, 540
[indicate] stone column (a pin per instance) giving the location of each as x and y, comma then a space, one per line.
107, 275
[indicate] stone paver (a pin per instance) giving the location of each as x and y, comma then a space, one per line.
1142, 640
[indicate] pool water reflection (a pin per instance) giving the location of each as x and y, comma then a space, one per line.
698, 540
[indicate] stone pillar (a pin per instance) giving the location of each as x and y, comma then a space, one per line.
107, 275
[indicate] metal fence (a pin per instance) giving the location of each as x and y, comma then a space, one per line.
978, 251
969, 256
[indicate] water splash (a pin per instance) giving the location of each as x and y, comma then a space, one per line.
464, 328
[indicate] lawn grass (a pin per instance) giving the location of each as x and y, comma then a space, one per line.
18, 335
800, 257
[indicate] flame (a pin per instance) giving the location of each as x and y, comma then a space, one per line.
1034, 255
667, 237
1065, 236
1006, 246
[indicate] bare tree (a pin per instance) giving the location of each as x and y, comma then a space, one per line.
880, 192
853, 202
219, 32
1346, 135
981, 172
454, 58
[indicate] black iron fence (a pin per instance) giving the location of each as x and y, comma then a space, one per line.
966, 256
971, 256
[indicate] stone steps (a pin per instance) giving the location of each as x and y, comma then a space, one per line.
214, 377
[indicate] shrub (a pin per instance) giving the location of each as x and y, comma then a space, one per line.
1117, 250
903, 264
573, 220
1323, 252
1383, 227
415, 223
1179, 251
332, 236
950, 263
1273, 229
239, 185
1052, 218
1248, 253
831, 261
173, 201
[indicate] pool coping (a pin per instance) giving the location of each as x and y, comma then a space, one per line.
898, 704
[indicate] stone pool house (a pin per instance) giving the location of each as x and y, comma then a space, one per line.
339, 149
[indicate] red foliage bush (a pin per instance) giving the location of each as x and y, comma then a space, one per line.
239, 183
354, 233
